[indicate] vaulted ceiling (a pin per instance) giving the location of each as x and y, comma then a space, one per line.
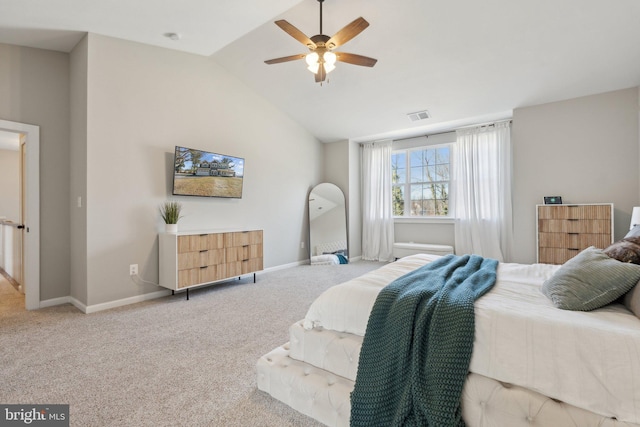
464, 61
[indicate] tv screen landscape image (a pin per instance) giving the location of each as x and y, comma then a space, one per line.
206, 174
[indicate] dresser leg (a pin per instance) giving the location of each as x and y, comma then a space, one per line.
187, 294
254, 277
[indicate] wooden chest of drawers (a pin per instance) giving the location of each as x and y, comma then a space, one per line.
193, 259
565, 230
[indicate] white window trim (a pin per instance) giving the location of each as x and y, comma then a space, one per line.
450, 218
424, 220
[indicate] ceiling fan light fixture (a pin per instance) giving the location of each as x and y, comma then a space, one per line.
329, 61
312, 62
329, 68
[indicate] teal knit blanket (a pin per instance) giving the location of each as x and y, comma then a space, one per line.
417, 348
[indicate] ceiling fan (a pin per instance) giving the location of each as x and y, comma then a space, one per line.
322, 59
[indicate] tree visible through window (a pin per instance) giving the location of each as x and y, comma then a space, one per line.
420, 180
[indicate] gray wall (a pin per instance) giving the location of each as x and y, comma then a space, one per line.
434, 232
354, 202
141, 102
336, 171
78, 170
34, 89
123, 123
342, 167
585, 150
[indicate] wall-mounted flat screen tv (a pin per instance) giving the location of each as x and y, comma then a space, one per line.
206, 174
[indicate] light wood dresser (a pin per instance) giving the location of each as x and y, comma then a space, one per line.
565, 230
189, 259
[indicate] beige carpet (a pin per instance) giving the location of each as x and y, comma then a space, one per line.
166, 362
11, 301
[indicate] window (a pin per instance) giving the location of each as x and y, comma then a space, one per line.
420, 179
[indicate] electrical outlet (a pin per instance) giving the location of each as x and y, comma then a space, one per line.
301, 245
133, 270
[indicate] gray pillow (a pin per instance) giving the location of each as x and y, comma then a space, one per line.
590, 280
632, 300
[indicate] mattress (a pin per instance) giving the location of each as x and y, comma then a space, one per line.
589, 361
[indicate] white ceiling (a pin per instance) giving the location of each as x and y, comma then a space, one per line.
465, 61
204, 25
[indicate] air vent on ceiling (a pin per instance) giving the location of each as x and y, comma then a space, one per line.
418, 115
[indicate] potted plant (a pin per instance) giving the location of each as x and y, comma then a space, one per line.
170, 212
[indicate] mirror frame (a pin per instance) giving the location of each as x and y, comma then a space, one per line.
327, 225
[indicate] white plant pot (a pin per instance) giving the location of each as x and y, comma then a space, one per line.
171, 228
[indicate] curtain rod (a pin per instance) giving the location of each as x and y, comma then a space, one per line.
408, 137
488, 124
426, 135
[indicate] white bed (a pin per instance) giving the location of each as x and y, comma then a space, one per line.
327, 253
532, 363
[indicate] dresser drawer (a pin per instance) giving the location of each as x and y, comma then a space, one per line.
573, 240
556, 255
243, 238
575, 212
592, 226
200, 242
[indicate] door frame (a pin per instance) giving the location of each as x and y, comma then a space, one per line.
31, 234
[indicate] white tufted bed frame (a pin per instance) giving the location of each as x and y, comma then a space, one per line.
510, 380
324, 253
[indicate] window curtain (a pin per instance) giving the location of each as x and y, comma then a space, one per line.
377, 211
482, 191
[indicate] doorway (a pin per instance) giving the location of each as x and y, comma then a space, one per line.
29, 137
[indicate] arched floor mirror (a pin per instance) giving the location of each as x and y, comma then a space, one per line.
327, 225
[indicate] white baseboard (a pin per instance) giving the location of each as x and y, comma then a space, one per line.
285, 266
80, 306
126, 301
87, 309
55, 301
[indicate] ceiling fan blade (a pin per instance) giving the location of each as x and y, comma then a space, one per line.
352, 58
296, 33
347, 33
285, 59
